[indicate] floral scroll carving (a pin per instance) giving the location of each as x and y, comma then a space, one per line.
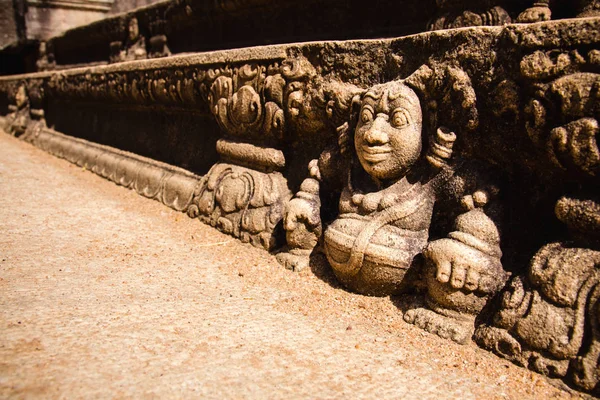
245, 194
236, 102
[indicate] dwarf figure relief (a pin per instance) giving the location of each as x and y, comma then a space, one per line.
45, 60
18, 120
391, 181
134, 47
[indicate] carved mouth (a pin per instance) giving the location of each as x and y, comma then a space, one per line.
375, 154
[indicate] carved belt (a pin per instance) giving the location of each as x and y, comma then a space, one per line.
385, 217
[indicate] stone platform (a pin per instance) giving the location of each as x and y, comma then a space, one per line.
106, 294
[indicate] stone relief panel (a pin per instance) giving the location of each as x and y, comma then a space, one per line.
245, 194
26, 117
546, 318
562, 116
422, 172
395, 161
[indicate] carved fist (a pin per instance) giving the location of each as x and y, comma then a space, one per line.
464, 267
303, 211
535, 14
302, 223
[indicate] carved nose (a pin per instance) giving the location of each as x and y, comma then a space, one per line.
376, 135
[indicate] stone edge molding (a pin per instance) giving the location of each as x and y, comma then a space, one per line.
171, 186
435, 148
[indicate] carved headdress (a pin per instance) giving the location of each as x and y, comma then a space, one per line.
449, 105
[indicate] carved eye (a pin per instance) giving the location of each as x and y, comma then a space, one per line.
400, 118
366, 115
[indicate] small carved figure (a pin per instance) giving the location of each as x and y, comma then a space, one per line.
458, 14
134, 47
391, 183
136, 44
45, 61
548, 319
159, 47
18, 120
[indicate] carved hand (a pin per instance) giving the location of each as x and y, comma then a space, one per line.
303, 211
463, 266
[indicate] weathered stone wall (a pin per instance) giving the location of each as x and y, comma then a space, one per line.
8, 23
195, 25
120, 6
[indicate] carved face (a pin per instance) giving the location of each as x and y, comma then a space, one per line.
388, 135
134, 30
21, 97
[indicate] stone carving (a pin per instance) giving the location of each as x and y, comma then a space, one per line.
45, 61
245, 194
414, 185
18, 120
392, 182
151, 88
548, 319
461, 13
242, 202
159, 47
27, 116
562, 117
171, 186
457, 14
134, 47
540, 10
238, 107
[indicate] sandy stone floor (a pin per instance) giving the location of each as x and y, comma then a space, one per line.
105, 294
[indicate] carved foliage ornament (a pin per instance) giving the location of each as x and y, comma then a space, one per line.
177, 87
562, 115
253, 101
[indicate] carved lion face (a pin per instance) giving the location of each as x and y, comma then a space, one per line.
388, 135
